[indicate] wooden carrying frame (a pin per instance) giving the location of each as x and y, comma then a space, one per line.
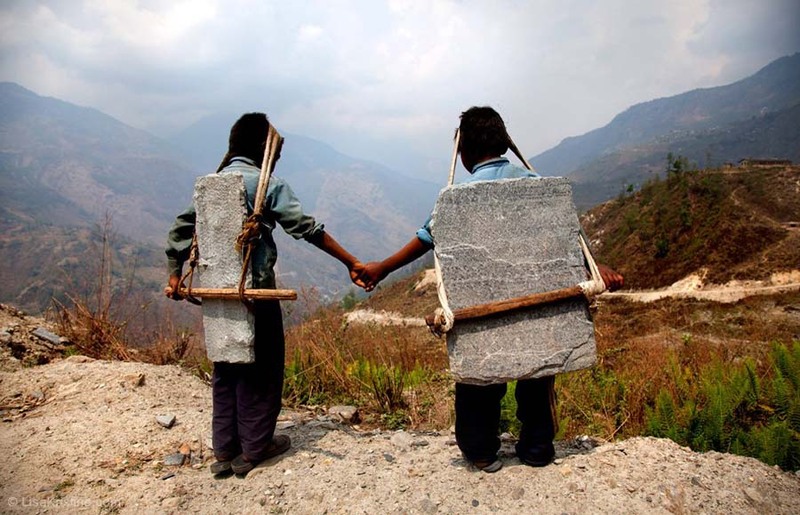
442, 320
245, 241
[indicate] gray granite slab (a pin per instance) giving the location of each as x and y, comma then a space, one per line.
497, 240
219, 200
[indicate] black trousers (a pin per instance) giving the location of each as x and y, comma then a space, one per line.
478, 416
247, 397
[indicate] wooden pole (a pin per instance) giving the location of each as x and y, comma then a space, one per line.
504, 306
272, 149
519, 155
233, 293
456, 143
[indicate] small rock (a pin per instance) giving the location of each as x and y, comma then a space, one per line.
44, 334
171, 502
323, 424
78, 358
166, 420
345, 414
753, 495
133, 380
388, 457
428, 506
185, 449
402, 440
286, 424
5, 337
166, 476
174, 460
475, 503
517, 494
196, 460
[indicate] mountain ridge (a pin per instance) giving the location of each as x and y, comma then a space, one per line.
665, 122
65, 166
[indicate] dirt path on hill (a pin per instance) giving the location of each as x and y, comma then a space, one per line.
693, 287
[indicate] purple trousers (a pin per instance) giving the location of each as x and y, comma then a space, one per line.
247, 397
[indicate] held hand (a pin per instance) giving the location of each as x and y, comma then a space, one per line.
613, 280
172, 290
372, 274
355, 274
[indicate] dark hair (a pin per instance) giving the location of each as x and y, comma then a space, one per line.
247, 138
483, 132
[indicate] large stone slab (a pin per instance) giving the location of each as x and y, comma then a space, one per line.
219, 201
497, 240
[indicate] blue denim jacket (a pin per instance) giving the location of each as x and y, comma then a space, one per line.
281, 206
491, 170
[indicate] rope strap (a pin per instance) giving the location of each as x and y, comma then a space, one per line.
443, 317
251, 229
595, 286
194, 258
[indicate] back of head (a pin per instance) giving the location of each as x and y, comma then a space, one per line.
483, 132
248, 136
247, 139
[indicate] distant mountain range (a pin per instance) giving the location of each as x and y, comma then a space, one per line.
64, 167
755, 117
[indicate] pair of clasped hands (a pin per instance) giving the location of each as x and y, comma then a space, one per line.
367, 275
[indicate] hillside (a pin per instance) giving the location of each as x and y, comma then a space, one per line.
728, 224
83, 434
65, 169
69, 166
753, 117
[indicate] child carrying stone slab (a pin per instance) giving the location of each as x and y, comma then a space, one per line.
483, 141
247, 396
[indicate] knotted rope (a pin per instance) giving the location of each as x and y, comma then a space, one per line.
443, 317
251, 229
595, 286
194, 258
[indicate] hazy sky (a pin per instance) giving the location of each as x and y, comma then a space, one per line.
377, 78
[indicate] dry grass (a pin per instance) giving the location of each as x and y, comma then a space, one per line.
638, 343
735, 223
394, 373
114, 322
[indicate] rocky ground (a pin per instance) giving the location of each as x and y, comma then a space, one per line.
82, 435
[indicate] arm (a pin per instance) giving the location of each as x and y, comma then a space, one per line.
325, 242
179, 244
376, 271
288, 212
